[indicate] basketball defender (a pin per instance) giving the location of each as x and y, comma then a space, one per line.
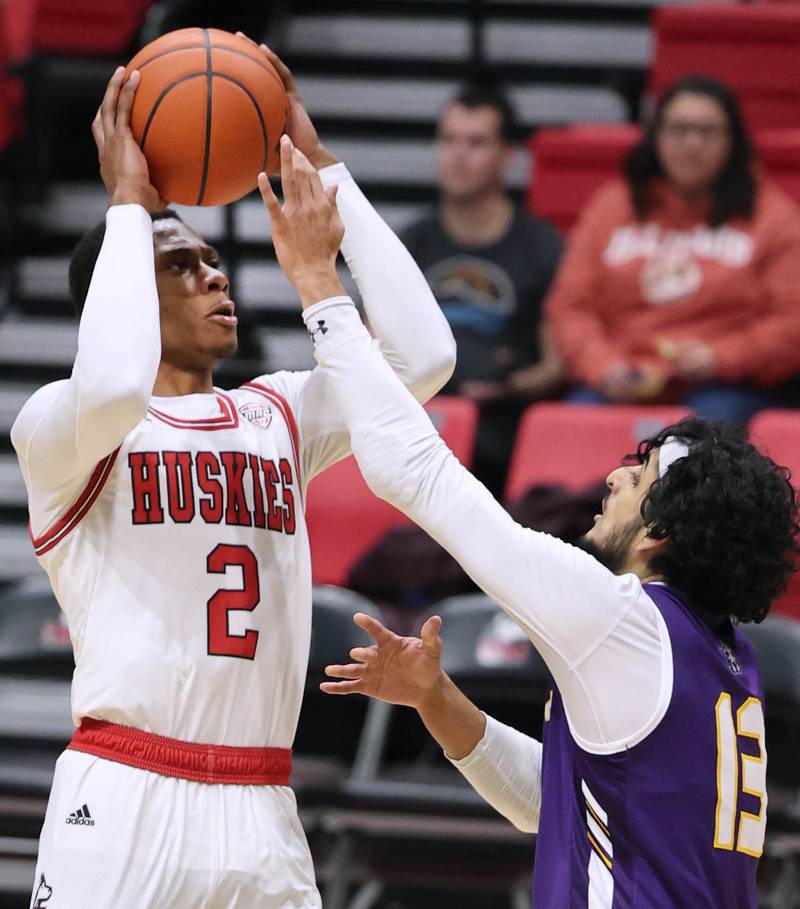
169, 516
650, 790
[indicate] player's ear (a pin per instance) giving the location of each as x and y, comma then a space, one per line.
649, 545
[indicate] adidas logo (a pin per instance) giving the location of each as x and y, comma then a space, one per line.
81, 817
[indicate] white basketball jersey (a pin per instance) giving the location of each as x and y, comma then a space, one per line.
183, 568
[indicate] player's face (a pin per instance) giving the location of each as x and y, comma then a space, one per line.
472, 158
619, 526
693, 142
198, 327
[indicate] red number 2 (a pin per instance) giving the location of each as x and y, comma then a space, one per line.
220, 641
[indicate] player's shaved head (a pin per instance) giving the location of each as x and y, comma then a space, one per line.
84, 258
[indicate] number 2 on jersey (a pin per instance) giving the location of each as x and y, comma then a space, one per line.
749, 724
220, 640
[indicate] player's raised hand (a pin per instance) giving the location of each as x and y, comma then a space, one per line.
123, 166
306, 229
299, 127
400, 670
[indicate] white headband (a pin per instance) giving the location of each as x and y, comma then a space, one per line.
671, 451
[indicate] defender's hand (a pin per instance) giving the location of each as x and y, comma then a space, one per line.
307, 231
123, 166
299, 127
399, 670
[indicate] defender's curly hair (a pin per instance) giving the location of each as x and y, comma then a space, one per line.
731, 517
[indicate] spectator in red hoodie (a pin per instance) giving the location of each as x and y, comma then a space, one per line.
682, 280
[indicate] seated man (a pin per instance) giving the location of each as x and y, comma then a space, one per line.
489, 265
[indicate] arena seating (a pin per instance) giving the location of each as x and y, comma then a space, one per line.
345, 518
91, 27
753, 47
570, 163
575, 445
416, 820
777, 432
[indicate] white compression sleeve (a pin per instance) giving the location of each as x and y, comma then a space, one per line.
505, 767
600, 634
402, 312
68, 426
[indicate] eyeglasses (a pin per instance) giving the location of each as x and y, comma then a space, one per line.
681, 129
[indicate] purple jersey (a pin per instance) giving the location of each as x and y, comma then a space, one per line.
678, 819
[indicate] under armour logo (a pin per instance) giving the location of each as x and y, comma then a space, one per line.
319, 330
42, 895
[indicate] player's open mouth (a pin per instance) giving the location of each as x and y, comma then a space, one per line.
223, 314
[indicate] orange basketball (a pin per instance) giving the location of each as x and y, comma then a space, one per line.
209, 113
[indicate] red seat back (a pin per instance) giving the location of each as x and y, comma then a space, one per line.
571, 162
94, 27
753, 47
575, 445
777, 433
345, 519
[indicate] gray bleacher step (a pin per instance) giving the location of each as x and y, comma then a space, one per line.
35, 707
39, 342
44, 278
12, 486
565, 43
286, 348
73, 208
407, 162
569, 44
12, 396
438, 39
16, 553
253, 226
263, 286
420, 101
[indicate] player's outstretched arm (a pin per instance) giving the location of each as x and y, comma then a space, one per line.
67, 427
502, 764
401, 310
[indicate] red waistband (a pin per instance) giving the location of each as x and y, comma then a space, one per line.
186, 760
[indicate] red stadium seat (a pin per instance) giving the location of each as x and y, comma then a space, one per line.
345, 519
571, 162
753, 47
575, 445
20, 20
91, 27
12, 88
777, 433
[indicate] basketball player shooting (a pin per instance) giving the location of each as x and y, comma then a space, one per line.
169, 516
636, 791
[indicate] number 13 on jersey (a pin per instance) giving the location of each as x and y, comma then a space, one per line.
749, 724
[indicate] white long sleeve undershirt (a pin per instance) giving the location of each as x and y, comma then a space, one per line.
505, 767
600, 634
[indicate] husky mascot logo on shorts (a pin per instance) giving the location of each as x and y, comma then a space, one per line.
42, 895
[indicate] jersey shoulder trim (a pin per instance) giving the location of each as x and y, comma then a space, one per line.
78, 511
228, 418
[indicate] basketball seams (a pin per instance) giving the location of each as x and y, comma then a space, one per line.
259, 113
160, 98
260, 63
215, 47
209, 96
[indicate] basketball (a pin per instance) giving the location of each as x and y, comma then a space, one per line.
208, 114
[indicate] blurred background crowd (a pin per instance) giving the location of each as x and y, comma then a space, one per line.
603, 196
